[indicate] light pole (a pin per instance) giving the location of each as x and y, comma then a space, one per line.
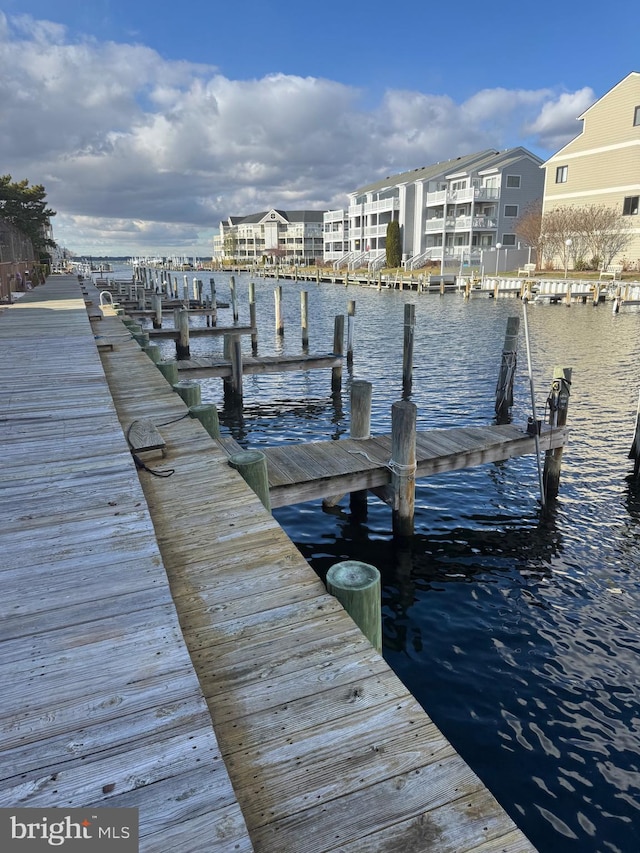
498, 247
567, 244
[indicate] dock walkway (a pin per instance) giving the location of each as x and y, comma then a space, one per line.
100, 703
325, 748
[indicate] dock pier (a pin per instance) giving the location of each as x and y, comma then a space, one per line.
131, 600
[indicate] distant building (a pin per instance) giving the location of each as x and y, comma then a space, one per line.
287, 236
601, 166
451, 212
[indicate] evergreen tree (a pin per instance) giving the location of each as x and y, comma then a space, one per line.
26, 208
394, 245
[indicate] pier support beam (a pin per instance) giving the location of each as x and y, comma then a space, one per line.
361, 393
558, 402
504, 386
304, 318
403, 466
357, 587
351, 317
634, 453
169, 369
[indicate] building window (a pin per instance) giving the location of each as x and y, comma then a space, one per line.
513, 181
636, 117
508, 239
630, 206
561, 174
511, 210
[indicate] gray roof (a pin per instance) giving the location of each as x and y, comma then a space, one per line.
289, 215
477, 161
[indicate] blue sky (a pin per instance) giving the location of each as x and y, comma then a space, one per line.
147, 123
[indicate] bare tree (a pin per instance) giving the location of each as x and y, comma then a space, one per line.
528, 227
589, 236
606, 231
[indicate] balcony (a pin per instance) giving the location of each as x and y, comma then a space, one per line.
462, 196
383, 205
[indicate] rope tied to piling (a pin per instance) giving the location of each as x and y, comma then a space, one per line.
402, 470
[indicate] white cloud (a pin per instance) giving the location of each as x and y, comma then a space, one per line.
141, 154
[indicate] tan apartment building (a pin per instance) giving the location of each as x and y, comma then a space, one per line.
601, 166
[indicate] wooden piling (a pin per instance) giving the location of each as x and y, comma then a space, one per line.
634, 453
234, 298
189, 390
233, 385
504, 386
182, 341
407, 349
403, 465
252, 318
157, 308
338, 349
252, 466
169, 369
357, 587
558, 403
351, 316
304, 317
214, 304
277, 293
153, 351
207, 414
360, 428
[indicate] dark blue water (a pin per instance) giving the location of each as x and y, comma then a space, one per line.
517, 630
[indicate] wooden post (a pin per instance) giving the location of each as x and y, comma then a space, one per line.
189, 390
357, 587
504, 387
253, 319
351, 316
214, 304
142, 338
338, 349
234, 298
182, 341
157, 307
304, 317
207, 414
407, 349
361, 392
634, 453
403, 465
558, 406
185, 290
153, 351
360, 429
233, 384
252, 466
169, 369
277, 293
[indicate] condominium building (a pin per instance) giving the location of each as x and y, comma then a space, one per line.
601, 166
449, 212
287, 236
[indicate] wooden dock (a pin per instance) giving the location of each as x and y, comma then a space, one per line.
319, 469
101, 706
325, 748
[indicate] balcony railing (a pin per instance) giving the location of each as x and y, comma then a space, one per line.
461, 196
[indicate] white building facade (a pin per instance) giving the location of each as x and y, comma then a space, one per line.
285, 236
449, 213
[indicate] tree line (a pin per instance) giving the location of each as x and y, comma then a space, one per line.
25, 207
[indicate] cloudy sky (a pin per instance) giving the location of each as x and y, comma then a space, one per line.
148, 123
